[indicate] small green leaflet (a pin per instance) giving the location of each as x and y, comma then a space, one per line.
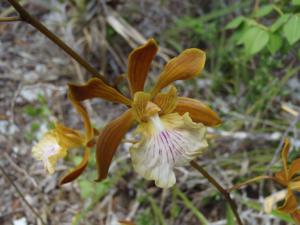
291, 29
235, 23
274, 43
279, 22
263, 11
255, 39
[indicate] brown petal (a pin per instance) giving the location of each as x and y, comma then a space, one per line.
281, 178
290, 203
96, 88
89, 130
68, 137
76, 172
108, 141
139, 62
185, 66
294, 168
284, 156
198, 111
167, 101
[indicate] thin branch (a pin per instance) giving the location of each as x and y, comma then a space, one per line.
237, 186
27, 17
22, 196
223, 191
10, 19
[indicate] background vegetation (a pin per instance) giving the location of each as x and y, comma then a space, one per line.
251, 79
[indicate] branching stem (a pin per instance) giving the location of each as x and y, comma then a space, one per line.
223, 191
27, 17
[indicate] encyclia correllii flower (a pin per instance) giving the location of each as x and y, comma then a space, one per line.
55, 144
289, 178
171, 130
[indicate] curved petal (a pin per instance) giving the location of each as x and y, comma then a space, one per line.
166, 142
290, 203
199, 112
294, 168
281, 178
96, 88
284, 156
67, 137
89, 130
108, 141
167, 101
139, 62
185, 66
76, 172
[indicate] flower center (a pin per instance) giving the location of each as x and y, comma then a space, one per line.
156, 122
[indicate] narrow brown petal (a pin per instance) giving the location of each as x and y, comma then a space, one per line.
284, 156
96, 88
281, 178
198, 111
108, 141
76, 172
139, 62
89, 130
185, 66
294, 168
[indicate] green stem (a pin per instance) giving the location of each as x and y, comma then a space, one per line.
10, 19
25, 15
223, 191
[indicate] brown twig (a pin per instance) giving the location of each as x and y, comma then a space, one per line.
22, 196
223, 191
25, 16
237, 186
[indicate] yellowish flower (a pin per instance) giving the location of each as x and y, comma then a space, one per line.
290, 179
56, 143
171, 130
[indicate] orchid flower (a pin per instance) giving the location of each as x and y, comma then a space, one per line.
289, 178
55, 144
171, 130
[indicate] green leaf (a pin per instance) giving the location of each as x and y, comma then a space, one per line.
229, 216
255, 39
291, 29
296, 2
236, 22
279, 22
274, 43
263, 11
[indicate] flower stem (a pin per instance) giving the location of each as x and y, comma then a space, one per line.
25, 16
237, 186
10, 19
224, 192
